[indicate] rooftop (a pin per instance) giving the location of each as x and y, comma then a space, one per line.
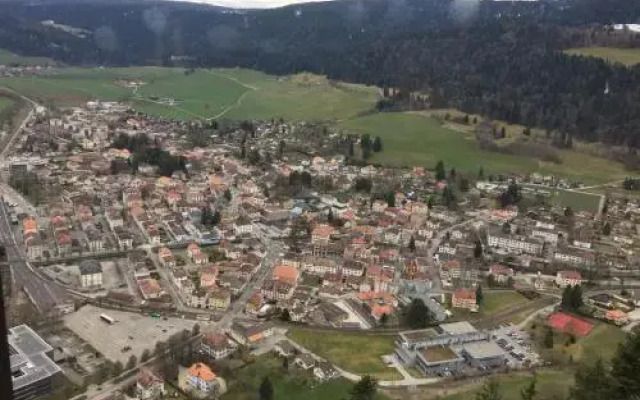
28, 358
480, 350
457, 328
422, 334
438, 354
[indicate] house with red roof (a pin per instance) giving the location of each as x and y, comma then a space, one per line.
149, 386
464, 298
500, 273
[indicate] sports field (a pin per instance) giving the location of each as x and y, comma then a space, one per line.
411, 139
627, 57
202, 94
353, 352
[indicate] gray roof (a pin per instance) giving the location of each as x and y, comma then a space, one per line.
483, 350
457, 328
90, 267
28, 358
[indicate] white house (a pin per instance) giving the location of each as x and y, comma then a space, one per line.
568, 278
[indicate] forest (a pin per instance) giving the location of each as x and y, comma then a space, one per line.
499, 59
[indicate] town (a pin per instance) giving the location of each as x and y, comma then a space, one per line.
155, 250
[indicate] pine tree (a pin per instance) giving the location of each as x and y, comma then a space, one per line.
548, 338
606, 229
477, 252
440, 171
479, 296
412, 244
481, 174
529, 392
625, 370
266, 389
490, 391
364, 389
418, 315
592, 383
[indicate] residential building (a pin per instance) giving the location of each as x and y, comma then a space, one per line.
568, 278
516, 243
217, 345
149, 386
90, 274
201, 377
464, 298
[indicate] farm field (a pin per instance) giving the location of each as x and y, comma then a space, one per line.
217, 93
287, 385
353, 352
627, 57
411, 139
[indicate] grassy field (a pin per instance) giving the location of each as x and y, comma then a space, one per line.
495, 302
564, 198
217, 93
360, 354
5, 102
624, 56
550, 385
414, 139
601, 342
291, 385
7, 57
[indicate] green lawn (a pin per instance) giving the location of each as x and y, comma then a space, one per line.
495, 302
565, 198
217, 93
602, 342
243, 383
5, 102
360, 354
411, 139
625, 56
550, 385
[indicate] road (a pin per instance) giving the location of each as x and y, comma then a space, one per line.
44, 295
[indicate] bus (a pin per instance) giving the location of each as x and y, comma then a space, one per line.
107, 319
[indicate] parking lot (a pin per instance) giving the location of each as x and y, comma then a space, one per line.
517, 345
130, 334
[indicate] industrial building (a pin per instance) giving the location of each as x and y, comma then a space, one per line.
448, 348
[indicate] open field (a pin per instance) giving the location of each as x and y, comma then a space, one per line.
4, 103
217, 93
624, 56
134, 330
360, 354
550, 385
495, 302
601, 342
417, 139
287, 385
8, 58
578, 201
